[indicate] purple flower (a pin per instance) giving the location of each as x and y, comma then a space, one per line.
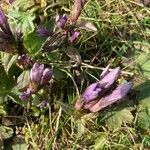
3, 18
43, 104
120, 92
43, 32
36, 73
108, 80
4, 23
91, 92
47, 75
61, 21
25, 95
24, 61
106, 90
40, 75
74, 36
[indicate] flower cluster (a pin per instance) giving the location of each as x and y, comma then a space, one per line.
39, 76
61, 22
103, 93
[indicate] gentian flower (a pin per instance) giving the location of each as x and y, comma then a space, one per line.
103, 90
36, 73
91, 92
43, 32
74, 36
43, 104
39, 75
26, 94
105, 72
108, 80
46, 76
24, 61
61, 20
4, 23
120, 92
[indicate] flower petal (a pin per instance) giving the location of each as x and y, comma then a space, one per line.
47, 75
110, 78
91, 92
120, 92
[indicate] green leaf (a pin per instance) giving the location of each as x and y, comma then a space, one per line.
143, 64
2, 111
6, 83
100, 141
8, 60
143, 119
33, 43
23, 80
21, 146
144, 95
117, 118
23, 4
6, 132
22, 20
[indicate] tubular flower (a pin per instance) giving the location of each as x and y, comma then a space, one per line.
4, 23
108, 80
43, 32
39, 75
101, 94
24, 61
61, 20
90, 93
36, 73
74, 36
46, 76
25, 95
120, 92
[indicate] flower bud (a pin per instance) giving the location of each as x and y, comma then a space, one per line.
74, 36
108, 80
61, 21
47, 75
3, 18
25, 95
36, 73
43, 32
23, 61
4, 23
120, 92
43, 104
91, 92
